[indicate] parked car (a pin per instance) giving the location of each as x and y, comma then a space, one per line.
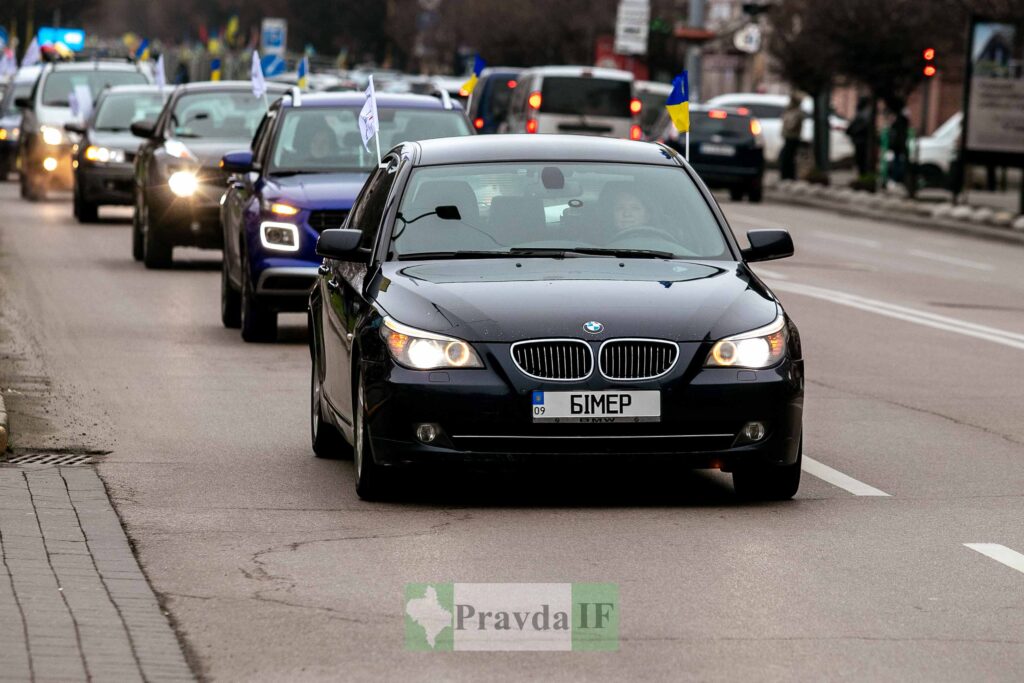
726, 149
104, 156
178, 178
500, 299
575, 100
18, 88
652, 96
768, 110
489, 102
306, 165
44, 146
934, 154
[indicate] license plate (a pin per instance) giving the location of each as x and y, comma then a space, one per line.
596, 406
718, 150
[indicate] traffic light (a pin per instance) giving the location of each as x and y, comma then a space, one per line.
929, 62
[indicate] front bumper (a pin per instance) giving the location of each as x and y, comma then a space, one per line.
485, 416
284, 284
110, 184
190, 221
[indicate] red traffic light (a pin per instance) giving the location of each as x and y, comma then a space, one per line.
929, 53
930, 71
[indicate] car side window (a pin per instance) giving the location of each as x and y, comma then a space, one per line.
262, 137
368, 211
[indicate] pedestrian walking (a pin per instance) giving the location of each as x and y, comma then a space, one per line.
792, 125
860, 133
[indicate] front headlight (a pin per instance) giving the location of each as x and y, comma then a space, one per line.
178, 150
422, 350
279, 236
103, 155
183, 183
51, 135
760, 348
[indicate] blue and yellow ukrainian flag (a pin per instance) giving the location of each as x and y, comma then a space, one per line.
142, 51
304, 74
678, 103
215, 70
478, 67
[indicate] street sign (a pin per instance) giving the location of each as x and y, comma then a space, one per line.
74, 38
273, 36
748, 39
632, 24
273, 65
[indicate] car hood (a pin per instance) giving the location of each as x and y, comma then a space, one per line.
209, 152
509, 300
114, 140
316, 190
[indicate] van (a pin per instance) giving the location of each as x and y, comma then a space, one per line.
577, 100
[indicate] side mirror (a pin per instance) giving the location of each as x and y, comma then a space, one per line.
237, 162
23, 102
144, 129
73, 127
342, 244
768, 245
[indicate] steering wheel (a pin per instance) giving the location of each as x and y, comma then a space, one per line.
645, 229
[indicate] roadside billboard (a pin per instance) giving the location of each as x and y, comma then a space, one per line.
994, 94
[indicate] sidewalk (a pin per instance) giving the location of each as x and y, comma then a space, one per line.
74, 604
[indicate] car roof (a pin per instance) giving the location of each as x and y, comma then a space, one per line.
122, 89
732, 110
27, 74
206, 86
525, 147
752, 97
356, 98
655, 87
500, 70
578, 71
95, 65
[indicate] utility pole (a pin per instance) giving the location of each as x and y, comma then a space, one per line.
695, 21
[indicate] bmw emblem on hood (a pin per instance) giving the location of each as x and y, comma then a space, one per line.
593, 327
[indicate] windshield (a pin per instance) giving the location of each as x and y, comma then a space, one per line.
60, 84
15, 92
119, 112
585, 96
231, 115
553, 205
321, 139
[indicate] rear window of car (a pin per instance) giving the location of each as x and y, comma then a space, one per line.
763, 111
60, 84
499, 95
719, 122
585, 96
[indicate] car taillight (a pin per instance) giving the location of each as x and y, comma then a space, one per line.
755, 126
717, 114
635, 133
534, 100
743, 111
512, 84
635, 106
531, 125
478, 123
463, 92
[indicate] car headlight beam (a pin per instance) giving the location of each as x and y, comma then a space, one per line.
51, 135
279, 236
422, 350
183, 183
757, 349
104, 155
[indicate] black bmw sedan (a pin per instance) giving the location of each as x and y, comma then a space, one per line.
519, 298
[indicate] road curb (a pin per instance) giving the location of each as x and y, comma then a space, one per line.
915, 221
4, 428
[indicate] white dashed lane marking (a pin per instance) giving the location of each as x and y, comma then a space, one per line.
837, 478
1000, 553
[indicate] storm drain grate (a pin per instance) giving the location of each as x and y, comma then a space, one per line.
50, 459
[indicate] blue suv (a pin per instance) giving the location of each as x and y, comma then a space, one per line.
306, 166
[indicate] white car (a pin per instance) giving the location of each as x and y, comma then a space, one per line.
938, 150
768, 110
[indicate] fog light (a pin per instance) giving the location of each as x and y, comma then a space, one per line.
183, 183
752, 432
50, 164
427, 433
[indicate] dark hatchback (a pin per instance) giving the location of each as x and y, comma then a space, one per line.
306, 166
726, 149
178, 178
511, 298
102, 159
489, 102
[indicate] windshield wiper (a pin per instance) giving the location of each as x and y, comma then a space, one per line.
111, 129
460, 254
591, 251
295, 171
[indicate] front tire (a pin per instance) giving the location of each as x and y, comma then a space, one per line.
230, 299
138, 245
32, 188
156, 253
259, 323
769, 482
736, 194
371, 479
326, 440
85, 212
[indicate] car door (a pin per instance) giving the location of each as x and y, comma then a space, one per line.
343, 283
242, 193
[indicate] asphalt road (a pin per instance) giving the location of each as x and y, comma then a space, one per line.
273, 569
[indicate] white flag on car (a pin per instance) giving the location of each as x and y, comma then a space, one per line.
259, 84
33, 55
369, 126
161, 77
